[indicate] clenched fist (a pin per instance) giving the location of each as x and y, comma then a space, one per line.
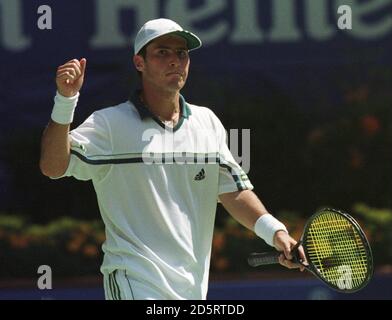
70, 76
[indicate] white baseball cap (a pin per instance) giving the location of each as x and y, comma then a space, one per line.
156, 28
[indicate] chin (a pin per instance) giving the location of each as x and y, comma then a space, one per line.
176, 86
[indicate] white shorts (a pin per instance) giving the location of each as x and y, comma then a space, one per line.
119, 286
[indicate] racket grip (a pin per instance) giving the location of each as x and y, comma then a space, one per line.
258, 259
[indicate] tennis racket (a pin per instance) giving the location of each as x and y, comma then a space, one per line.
336, 250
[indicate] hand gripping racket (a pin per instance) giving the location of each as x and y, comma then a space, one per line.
336, 250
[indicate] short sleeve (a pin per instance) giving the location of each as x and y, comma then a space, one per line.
231, 176
89, 143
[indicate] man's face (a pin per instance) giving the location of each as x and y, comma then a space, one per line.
166, 64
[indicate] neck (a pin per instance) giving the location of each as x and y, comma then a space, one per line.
164, 104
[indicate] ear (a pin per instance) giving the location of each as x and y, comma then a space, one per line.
138, 61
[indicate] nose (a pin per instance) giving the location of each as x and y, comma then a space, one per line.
174, 60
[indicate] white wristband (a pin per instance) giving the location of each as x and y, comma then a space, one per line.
63, 109
266, 226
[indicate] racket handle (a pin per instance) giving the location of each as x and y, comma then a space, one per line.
258, 259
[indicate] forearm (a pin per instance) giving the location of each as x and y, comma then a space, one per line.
247, 209
244, 206
55, 149
55, 144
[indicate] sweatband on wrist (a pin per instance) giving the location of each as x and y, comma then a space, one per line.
266, 226
63, 109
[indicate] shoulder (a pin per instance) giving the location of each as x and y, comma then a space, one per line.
205, 114
202, 111
121, 109
117, 114
199, 110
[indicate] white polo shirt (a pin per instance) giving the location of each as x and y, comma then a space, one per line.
157, 189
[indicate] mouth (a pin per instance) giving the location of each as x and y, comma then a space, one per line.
175, 73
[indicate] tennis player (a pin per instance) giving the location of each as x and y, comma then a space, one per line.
159, 165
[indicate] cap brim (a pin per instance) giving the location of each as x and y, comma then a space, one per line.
192, 41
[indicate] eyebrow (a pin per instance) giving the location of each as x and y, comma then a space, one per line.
166, 47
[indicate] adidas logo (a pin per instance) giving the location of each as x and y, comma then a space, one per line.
201, 175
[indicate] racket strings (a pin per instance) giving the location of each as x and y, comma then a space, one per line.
338, 257
337, 250
339, 261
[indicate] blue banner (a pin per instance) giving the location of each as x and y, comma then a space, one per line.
279, 40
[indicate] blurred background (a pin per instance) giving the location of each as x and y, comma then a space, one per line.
317, 100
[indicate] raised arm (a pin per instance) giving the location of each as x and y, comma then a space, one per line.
55, 144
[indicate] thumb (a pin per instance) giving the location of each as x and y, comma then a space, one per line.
83, 63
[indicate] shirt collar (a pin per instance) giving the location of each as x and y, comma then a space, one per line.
144, 112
